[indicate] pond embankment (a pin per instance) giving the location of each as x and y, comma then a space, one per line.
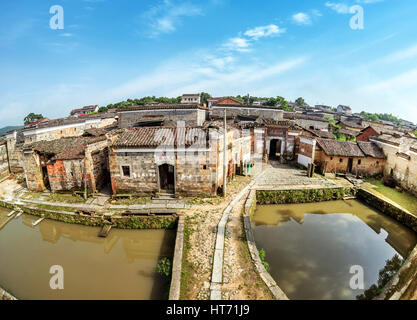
121, 222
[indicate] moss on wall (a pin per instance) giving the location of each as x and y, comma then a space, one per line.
401, 215
145, 222
302, 196
129, 222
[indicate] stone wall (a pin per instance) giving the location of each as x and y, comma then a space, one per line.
121, 222
191, 117
273, 114
33, 172
193, 176
4, 162
363, 166
4, 295
250, 206
66, 175
401, 215
403, 168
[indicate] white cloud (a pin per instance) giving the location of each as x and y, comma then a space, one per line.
401, 55
263, 31
301, 18
165, 17
340, 7
238, 44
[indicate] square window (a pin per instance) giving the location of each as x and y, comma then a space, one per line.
126, 171
205, 167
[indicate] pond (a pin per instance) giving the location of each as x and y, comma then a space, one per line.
121, 266
311, 247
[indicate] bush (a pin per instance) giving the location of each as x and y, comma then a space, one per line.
390, 182
262, 255
164, 267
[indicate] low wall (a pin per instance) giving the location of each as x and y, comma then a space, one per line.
391, 209
126, 222
175, 289
263, 273
302, 196
4, 295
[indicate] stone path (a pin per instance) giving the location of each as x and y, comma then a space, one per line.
217, 270
283, 177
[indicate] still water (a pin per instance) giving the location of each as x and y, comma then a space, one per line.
121, 266
311, 247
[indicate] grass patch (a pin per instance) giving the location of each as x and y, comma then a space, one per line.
66, 198
131, 201
404, 199
56, 208
187, 269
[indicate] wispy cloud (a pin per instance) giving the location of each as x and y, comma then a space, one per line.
401, 55
237, 44
264, 31
339, 7
243, 43
301, 18
344, 7
167, 16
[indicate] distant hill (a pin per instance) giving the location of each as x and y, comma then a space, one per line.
9, 128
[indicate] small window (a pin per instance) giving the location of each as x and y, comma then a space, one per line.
331, 158
205, 167
341, 160
359, 162
126, 171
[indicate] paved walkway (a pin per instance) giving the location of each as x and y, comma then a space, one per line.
217, 270
284, 177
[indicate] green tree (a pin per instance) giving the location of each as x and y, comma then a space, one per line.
31, 117
335, 129
284, 104
415, 133
103, 109
300, 102
204, 97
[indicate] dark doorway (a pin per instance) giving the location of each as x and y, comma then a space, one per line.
350, 165
45, 177
275, 149
166, 177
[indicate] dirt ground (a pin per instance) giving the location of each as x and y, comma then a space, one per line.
241, 280
199, 244
8, 188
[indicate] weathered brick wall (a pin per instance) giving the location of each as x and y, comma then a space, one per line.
194, 117
65, 175
33, 173
143, 176
367, 167
366, 134
194, 176
4, 162
48, 134
265, 113
15, 156
318, 125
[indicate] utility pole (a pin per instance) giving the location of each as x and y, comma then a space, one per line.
225, 155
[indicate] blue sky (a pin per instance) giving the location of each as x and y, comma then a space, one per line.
109, 51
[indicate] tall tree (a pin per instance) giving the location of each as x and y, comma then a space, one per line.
204, 97
31, 117
300, 102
